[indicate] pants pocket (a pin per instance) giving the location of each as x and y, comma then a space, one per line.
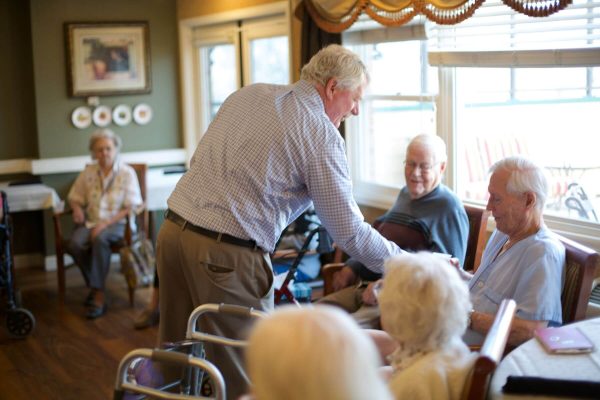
218, 274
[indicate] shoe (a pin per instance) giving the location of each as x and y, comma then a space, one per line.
89, 300
95, 311
146, 319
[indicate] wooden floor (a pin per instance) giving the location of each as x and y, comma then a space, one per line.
67, 356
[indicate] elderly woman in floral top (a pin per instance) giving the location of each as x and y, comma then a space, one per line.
102, 196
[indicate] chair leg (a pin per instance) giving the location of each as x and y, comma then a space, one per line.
131, 291
60, 274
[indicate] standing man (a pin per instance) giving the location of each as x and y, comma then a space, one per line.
270, 153
425, 202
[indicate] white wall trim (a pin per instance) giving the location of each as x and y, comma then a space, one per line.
60, 165
28, 260
15, 166
50, 261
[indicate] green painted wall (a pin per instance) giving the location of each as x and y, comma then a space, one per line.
18, 136
35, 108
57, 137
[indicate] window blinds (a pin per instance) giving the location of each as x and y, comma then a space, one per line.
497, 36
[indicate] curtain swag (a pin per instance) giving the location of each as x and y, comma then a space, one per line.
335, 16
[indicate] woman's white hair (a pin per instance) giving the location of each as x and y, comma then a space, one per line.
434, 143
525, 176
424, 303
335, 61
105, 134
313, 353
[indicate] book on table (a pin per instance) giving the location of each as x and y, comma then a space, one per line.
564, 340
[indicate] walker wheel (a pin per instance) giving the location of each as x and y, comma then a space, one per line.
20, 322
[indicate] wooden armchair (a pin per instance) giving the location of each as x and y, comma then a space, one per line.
60, 240
581, 262
490, 354
478, 220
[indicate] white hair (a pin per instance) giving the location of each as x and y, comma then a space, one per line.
525, 176
424, 303
313, 353
105, 134
335, 61
433, 143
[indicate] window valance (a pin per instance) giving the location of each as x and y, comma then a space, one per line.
338, 15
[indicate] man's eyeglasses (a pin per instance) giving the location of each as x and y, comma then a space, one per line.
424, 167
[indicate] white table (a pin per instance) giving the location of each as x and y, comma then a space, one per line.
530, 359
29, 197
159, 187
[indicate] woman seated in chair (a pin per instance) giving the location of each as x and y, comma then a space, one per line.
312, 353
102, 196
424, 310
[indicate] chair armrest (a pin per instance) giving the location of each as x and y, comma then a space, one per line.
141, 216
327, 272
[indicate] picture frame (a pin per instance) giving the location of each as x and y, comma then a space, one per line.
107, 58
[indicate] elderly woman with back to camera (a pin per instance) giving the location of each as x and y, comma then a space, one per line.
424, 310
103, 194
313, 353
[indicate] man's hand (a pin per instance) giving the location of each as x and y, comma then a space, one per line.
369, 296
343, 278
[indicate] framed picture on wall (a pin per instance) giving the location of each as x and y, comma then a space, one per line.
107, 58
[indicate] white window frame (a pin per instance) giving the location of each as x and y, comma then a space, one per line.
190, 98
210, 36
259, 29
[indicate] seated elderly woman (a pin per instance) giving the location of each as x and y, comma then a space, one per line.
102, 196
424, 309
312, 353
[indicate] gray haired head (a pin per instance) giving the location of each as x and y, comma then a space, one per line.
525, 176
434, 143
105, 134
335, 61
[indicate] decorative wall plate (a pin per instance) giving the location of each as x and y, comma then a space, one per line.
81, 117
142, 114
122, 115
102, 116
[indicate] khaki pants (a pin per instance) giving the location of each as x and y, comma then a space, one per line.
350, 299
194, 270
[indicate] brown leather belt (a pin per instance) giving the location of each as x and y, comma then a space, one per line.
219, 237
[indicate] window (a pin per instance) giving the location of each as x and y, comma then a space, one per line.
534, 90
543, 113
398, 104
233, 54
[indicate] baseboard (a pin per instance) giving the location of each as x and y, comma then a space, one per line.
28, 260
50, 261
